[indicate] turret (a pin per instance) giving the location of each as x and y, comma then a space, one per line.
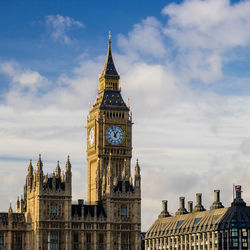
10, 211
58, 170
29, 179
137, 177
17, 204
68, 176
68, 170
39, 172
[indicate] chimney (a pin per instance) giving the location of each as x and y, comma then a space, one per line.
182, 209
190, 206
198, 207
216, 204
164, 213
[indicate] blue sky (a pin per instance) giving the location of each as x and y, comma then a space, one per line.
184, 65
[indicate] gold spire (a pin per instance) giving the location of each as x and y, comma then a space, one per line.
39, 164
10, 211
109, 37
68, 165
58, 169
30, 168
137, 167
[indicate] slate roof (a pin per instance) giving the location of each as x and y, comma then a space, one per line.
113, 100
109, 66
211, 220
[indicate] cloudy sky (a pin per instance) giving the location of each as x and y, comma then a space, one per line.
184, 66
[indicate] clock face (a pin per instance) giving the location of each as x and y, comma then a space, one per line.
91, 137
114, 135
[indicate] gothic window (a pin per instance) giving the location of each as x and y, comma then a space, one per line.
124, 213
1, 242
53, 241
101, 242
75, 241
16, 241
53, 210
88, 241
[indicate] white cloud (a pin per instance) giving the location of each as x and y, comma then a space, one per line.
22, 78
59, 27
209, 24
145, 38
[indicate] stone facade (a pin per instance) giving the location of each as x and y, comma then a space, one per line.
45, 217
216, 229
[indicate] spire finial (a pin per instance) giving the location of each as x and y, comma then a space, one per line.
39, 163
109, 37
137, 167
68, 165
10, 211
58, 169
30, 168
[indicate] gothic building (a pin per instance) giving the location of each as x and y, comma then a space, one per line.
45, 217
218, 228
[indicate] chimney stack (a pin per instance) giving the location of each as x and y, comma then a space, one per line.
164, 213
182, 209
198, 207
216, 204
190, 206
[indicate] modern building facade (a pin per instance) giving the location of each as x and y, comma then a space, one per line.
216, 229
45, 217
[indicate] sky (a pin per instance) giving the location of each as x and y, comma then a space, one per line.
184, 66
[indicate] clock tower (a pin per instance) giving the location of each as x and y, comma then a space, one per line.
109, 135
109, 153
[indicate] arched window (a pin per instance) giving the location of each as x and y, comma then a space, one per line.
53, 241
124, 212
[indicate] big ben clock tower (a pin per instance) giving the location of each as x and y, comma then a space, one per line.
109, 153
109, 134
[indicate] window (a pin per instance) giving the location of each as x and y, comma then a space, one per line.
88, 241
234, 243
53, 210
124, 212
244, 232
244, 242
234, 232
75, 241
196, 220
53, 241
1, 242
101, 242
179, 223
17, 241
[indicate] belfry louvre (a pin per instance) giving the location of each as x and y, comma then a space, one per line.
216, 229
